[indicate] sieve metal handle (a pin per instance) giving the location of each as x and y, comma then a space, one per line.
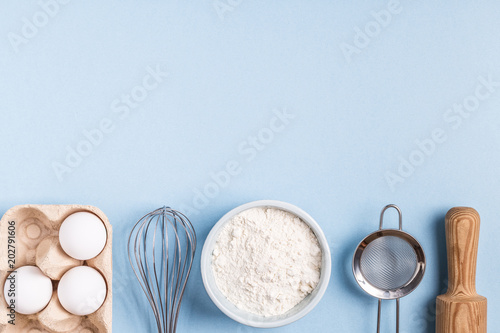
399, 213
380, 311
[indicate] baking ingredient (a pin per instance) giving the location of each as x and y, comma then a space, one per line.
82, 235
36, 229
28, 290
82, 290
266, 260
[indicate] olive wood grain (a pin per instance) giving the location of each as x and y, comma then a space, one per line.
461, 309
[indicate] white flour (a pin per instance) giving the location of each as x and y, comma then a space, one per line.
266, 261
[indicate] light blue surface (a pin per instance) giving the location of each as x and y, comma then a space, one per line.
353, 121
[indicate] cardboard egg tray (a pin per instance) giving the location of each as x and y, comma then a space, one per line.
37, 243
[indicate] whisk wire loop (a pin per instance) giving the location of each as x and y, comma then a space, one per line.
161, 249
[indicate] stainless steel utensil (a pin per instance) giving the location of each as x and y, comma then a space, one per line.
161, 248
389, 264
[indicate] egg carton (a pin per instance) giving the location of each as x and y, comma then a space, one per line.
37, 243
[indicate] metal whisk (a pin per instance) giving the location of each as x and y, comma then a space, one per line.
161, 249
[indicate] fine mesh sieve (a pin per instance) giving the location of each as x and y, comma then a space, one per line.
389, 264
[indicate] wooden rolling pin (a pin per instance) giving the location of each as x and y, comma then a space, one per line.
461, 309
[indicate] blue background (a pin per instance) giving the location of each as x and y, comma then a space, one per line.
227, 71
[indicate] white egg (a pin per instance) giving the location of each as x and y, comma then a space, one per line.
82, 235
28, 289
81, 290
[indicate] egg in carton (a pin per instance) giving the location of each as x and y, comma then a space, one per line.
35, 233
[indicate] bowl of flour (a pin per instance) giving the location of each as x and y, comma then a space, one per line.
266, 263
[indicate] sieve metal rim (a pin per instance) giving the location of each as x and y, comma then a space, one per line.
402, 291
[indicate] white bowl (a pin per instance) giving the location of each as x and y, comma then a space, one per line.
244, 317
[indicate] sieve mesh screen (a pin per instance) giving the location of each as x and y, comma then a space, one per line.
388, 262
